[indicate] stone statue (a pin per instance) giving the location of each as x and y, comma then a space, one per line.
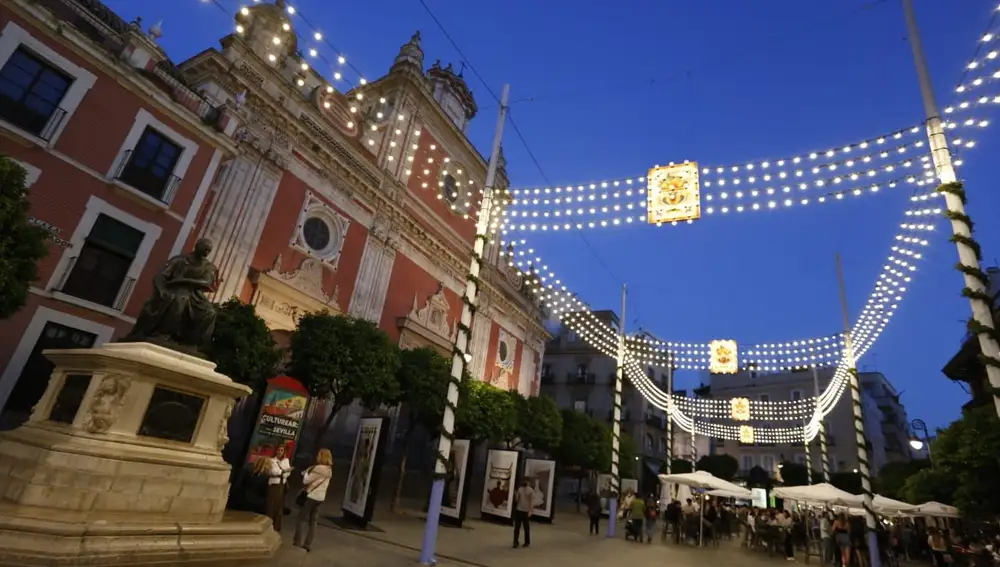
107, 402
178, 315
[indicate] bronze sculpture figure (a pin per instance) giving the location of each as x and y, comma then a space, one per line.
178, 315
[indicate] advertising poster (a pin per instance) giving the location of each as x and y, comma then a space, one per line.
454, 482
359, 478
604, 489
280, 419
541, 475
501, 480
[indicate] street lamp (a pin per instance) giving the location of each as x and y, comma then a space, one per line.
917, 443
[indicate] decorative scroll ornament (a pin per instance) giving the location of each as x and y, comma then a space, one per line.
223, 437
107, 403
434, 314
723, 357
673, 194
740, 409
746, 434
307, 278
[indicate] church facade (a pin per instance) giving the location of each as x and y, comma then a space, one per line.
361, 202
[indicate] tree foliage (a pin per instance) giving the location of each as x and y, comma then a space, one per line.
585, 443
242, 347
758, 477
892, 477
485, 413
847, 481
677, 466
929, 485
423, 378
22, 244
539, 423
628, 457
343, 359
794, 474
722, 466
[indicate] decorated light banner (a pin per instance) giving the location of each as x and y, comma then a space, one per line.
723, 357
740, 409
672, 193
746, 434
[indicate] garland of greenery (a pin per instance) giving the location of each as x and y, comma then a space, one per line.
957, 189
468, 303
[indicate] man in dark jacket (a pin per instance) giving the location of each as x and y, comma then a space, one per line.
594, 512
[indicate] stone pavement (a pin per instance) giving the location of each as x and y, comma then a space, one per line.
395, 540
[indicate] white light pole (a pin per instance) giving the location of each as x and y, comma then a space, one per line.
616, 424
460, 349
976, 281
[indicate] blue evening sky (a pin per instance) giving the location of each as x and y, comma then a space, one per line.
616, 87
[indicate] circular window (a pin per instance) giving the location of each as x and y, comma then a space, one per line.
451, 190
503, 351
316, 233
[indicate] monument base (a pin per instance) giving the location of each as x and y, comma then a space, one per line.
120, 465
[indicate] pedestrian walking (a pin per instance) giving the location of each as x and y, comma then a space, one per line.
278, 479
594, 512
524, 503
315, 481
652, 512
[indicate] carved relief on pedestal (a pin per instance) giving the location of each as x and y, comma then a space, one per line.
106, 404
223, 437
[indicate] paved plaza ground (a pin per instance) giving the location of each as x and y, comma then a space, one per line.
395, 539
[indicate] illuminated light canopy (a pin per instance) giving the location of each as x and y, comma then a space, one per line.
746, 434
740, 409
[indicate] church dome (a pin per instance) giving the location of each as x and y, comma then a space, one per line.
446, 81
410, 54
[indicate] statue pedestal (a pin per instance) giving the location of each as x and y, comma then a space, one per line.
121, 464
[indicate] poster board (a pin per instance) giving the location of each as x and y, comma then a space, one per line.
604, 489
502, 474
279, 422
362, 479
541, 475
456, 481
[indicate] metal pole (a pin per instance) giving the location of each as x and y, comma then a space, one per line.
824, 457
460, 350
859, 428
616, 423
975, 288
670, 420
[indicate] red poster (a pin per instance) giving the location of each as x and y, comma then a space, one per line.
280, 419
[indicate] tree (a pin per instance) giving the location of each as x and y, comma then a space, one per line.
892, 477
677, 466
485, 413
539, 423
929, 485
342, 359
584, 447
794, 474
758, 477
242, 347
628, 456
423, 378
722, 466
22, 244
847, 481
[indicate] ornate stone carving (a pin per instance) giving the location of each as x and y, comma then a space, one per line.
107, 403
223, 437
385, 228
307, 278
434, 314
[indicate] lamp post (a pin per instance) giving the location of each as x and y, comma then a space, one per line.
918, 443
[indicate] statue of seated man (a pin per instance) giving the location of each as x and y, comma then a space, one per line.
178, 315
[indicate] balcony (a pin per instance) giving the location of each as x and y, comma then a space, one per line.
38, 124
581, 378
105, 296
146, 180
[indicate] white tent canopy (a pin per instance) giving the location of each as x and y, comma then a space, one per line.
704, 480
935, 509
744, 494
823, 493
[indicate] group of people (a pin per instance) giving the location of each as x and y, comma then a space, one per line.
269, 482
642, 515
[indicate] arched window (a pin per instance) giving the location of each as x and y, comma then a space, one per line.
649, 442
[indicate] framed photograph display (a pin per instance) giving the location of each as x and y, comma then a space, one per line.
541, 475
501, 481
362, 479
455, 482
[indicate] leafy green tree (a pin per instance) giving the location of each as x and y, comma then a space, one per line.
847, 481
584, 448
539, 423
760, 478
794, 474
677, 466
342, 359
423, 378
892, 477
628, 457
722, 466
485, 413
242, 347
968, 453
22, 244
927, 485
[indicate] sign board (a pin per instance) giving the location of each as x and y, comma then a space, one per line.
280, 419
673, 193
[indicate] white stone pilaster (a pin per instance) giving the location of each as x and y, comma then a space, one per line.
372, 283
480, 343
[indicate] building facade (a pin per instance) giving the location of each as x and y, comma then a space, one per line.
360, 202
841, 446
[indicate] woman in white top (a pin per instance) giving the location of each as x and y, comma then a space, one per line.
315, 481
278, 477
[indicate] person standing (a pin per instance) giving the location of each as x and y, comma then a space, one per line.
594, 512
784, 521
826, 537
315, 481
524, 503
652, 513
280, 471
